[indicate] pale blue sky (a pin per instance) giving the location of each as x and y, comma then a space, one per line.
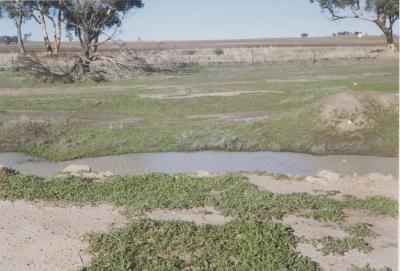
223, 19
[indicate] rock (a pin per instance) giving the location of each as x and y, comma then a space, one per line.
75, 169
328, 175
84, 171
107, 173
202, 173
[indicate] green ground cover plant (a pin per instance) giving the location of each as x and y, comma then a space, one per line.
253, 240
231, 194
237, 245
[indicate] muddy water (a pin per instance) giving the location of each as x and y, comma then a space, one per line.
215, 162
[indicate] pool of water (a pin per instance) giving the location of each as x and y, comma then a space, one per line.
214, 162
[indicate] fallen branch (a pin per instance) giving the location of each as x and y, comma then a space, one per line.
98, 67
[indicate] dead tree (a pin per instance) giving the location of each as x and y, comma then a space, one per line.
99, 67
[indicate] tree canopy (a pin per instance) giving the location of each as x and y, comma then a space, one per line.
17, 11
89, 19
384, 13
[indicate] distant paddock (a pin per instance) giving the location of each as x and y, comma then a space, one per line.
224, 51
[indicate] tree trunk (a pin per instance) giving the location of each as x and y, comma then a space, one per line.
43, 27
78, 34
95, 46
86, 51
58, 29
18, 24
390, 43
388, 35
86, 47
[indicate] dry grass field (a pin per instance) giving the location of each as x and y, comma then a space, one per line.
223, 51
350, 41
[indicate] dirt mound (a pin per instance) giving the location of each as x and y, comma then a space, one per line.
347, 111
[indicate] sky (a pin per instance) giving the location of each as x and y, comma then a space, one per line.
222, 19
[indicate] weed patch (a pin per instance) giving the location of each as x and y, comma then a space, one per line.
237, 245
356, 240
332, 245
369, 268
236, 198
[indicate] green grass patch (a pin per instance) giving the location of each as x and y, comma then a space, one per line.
286, 119
376, 204
231, 194
237, 245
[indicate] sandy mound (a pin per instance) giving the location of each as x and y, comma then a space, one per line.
346, 111
326, 182
40, 237
200, 215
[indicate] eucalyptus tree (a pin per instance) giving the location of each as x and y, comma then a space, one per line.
39, 10
384, 13
90, 20
17, 11
43, 11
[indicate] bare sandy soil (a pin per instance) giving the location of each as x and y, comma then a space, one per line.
384, 253
35, 236
38, 236
199, 215
41, 236
326, 182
